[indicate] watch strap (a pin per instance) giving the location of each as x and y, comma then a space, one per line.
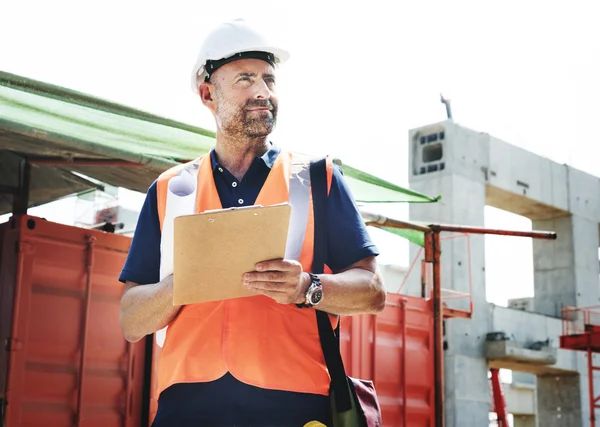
313, 279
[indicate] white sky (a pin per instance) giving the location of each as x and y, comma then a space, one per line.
360, 76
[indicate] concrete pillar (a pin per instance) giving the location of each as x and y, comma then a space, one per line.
461, 182
559, 401
566, 271
566, 274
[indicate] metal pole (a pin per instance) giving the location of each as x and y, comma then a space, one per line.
21, 196
480, 230
499, 403
377, 220
86, 316
423, 279
591, 387
129, 397
403, 363
438, 334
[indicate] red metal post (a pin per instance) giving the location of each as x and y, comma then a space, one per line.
438, 318
423, 279
374, 348
129, 395
403, 363
499, 403
591, 386
86, 316
428, 247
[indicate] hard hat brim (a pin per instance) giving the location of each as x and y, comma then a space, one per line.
199, 72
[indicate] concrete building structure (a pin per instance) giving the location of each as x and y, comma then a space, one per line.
471, 170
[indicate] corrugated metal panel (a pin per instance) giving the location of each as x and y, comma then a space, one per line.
66, 302
395, 349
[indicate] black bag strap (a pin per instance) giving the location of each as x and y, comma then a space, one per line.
329, 339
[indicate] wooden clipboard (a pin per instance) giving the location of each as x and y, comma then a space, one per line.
212, 250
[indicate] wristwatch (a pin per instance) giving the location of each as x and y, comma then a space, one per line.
314, 293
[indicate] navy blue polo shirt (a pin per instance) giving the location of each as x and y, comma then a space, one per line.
227, 401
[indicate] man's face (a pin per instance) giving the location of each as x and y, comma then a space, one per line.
245, 101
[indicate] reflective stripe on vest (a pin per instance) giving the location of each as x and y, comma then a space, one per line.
259, 341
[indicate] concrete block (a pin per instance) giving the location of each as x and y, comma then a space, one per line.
584, 194
423, 139
512, 351
526, 327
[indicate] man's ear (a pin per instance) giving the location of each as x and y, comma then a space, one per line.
205, 91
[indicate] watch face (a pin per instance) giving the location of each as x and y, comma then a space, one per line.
315, 298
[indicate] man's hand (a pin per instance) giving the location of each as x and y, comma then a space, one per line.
282, 280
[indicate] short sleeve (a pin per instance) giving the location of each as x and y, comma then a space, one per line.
143, 261
347, 236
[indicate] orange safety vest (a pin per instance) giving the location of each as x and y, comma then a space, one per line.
259, 341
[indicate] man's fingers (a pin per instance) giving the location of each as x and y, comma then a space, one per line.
266, 286
277, 265
267, 276
280, 297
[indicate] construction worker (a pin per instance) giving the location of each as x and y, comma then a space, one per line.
253, 361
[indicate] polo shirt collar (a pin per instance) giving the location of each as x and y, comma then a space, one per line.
268, 158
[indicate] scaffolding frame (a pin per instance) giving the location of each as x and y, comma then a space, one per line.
584, 338
432, 258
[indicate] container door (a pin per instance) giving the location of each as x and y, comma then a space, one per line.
68, 361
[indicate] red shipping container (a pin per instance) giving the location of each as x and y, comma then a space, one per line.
66, 362
395, 349
45, 310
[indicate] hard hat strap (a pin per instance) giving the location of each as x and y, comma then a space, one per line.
212, 66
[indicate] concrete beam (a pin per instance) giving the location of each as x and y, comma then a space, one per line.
520, 204
512, 351
517, 180
525, 327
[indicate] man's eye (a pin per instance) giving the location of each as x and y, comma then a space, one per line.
270, 81
246, 78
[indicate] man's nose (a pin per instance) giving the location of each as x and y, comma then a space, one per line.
262, 90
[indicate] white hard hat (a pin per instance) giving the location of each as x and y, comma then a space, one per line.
230, 41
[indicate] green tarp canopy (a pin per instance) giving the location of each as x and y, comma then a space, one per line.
69, 136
